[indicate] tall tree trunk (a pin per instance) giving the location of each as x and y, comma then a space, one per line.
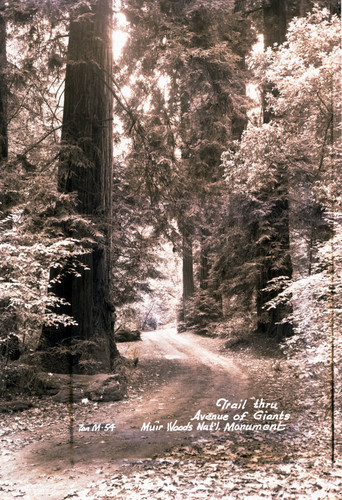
3, 89
188, 271
86, 169
276, 16
277, 249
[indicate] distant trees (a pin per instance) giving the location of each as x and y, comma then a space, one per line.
187, 105
294, 155
187, 59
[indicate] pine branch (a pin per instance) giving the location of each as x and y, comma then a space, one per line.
35, 144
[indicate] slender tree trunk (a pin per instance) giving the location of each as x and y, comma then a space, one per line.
275, 21
204, 264
188, 271
86, 169
3, 89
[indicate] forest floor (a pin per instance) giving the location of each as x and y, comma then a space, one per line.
179, 377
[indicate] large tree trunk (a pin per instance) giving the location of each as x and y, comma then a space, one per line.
275, 261
86, 169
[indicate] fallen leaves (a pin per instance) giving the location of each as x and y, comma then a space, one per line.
241, 465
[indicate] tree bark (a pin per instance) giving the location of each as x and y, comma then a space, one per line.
188, 272
277, 250
274, 31
3, 89
204, 265
275, 22
86, 169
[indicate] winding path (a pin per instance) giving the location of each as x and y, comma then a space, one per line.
181, 374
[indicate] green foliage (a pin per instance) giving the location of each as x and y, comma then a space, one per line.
32, 242
137, 230
39, 226
203, 310
184, 66
295, 157
185, 69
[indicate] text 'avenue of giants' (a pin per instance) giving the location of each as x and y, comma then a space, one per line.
251, 415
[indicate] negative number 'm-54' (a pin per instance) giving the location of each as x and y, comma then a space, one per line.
102, 427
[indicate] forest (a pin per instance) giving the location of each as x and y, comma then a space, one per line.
171, 187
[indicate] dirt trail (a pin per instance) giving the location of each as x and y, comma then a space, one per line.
177, 375
181, 374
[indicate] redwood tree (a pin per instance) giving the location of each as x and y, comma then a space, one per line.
86, 170
276, 249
